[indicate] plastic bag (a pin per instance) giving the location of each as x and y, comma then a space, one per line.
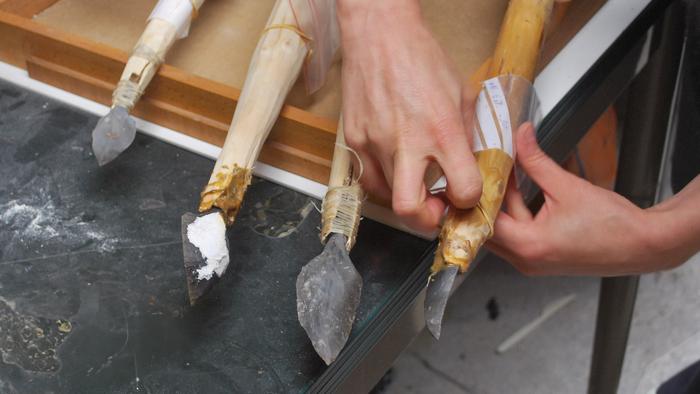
504, 103
317, 19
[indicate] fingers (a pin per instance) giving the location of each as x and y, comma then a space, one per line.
455, 157
519, 242
372, 178
506, 239
369, 170
470, 92
540, 167
508, 232
410, 199
515, 204
428, 219
462, 173
463, 179
386, 161
409, 192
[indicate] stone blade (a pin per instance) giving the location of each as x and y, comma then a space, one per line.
439, 288
328, 293
193, 261
113, 134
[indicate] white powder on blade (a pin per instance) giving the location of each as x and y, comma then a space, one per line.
208, 234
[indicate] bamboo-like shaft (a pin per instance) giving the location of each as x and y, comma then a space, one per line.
341, 167
148, 54
520, 39
275, 66
342, 204
517, 51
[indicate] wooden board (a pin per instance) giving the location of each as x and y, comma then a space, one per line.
25, 8
223, 37
82, 45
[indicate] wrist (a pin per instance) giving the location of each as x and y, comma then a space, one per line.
677, 223
663, 238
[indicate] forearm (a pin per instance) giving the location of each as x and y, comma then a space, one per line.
675, 226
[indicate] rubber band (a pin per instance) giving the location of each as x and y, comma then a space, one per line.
293, 28
290, 27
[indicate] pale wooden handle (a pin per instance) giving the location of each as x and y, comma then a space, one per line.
155, 40
519, 41
342, 204
275, 66
341, 168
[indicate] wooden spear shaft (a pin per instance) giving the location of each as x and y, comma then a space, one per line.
341, 167
147, 56
342, 204
275, 66
517, 51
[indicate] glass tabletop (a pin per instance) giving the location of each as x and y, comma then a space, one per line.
92, 289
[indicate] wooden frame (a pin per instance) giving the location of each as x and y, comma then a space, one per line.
300, 142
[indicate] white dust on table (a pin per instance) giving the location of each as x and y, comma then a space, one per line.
36, 222
208, 234
104, 242
31, 221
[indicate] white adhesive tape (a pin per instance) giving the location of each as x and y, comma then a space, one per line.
176, 12
492, 128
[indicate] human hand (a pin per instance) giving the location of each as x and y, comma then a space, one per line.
581, 229
405, 108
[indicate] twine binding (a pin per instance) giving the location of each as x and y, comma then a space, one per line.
128, 92
342, 207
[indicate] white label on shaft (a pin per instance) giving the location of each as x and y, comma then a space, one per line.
176, 12
492, 129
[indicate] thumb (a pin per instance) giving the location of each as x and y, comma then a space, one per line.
540, 167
